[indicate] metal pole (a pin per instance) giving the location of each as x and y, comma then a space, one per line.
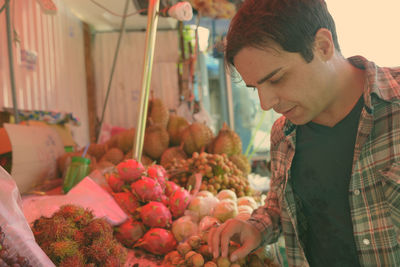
231, 112
122, 30
11, 62
152, 19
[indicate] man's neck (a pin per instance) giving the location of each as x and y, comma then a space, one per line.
349, 88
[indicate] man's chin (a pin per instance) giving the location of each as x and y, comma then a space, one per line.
298, 120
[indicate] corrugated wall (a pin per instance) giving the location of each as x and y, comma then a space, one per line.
125, 91
57, 81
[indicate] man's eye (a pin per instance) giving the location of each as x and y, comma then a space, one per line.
275, 81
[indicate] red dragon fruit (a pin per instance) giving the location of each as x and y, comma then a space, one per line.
130, 170
180, 199
158, 241
115, 183
129, 232
170, 188
158, 173
165, 200
156, 214
127, 201
147, 189
178, 202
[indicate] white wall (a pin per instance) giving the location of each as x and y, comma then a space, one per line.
369, 28
58, 80
122, 108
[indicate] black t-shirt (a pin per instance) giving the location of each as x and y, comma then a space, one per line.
320, 177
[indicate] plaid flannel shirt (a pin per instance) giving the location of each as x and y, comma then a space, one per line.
374, 191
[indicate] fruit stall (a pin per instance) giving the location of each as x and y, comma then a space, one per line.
143, 192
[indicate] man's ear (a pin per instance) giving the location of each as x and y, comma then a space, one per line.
324, 47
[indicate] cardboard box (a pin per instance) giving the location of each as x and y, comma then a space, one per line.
63, 131
34, 151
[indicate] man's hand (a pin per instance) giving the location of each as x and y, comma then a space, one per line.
218, 239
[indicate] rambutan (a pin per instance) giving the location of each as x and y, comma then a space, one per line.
79, 215
97, 228
76, 260
62, 249
53, 229
101, 249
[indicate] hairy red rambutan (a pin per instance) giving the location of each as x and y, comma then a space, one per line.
97, 228
77, 214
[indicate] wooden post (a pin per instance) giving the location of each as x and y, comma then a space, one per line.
90, 84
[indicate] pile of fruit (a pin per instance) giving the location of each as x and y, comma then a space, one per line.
221, 9
170, 221
152, 203
7, 259
204, 212
194, 252
218, 173
73, 237
170, 139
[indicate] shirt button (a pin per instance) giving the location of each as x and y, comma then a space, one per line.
366, 241
356, 192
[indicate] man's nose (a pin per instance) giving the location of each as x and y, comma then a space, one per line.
268, 99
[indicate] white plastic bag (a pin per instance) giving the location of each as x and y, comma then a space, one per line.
19, 236
86, 194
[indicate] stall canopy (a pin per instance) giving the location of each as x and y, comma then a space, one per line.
105, 15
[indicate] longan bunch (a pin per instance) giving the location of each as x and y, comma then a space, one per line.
218, 173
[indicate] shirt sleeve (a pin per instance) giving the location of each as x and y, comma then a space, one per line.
267, 218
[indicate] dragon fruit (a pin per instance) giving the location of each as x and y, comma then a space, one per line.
129, 232
178, 202
158, 173
115, 183
156, 214
180, 199
127, 201
165, 200
170, 188
130, 170
147, 189
158, 241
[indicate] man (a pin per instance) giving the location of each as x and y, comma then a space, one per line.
335, 152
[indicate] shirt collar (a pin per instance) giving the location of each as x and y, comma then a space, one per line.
379, 81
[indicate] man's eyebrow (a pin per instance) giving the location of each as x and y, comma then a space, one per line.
266, 77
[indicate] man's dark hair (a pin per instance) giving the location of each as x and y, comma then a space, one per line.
290, 23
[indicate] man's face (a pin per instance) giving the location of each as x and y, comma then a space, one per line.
285, 82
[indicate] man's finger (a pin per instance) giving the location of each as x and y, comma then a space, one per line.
244, 250
216, 240
210, 238
226, 235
